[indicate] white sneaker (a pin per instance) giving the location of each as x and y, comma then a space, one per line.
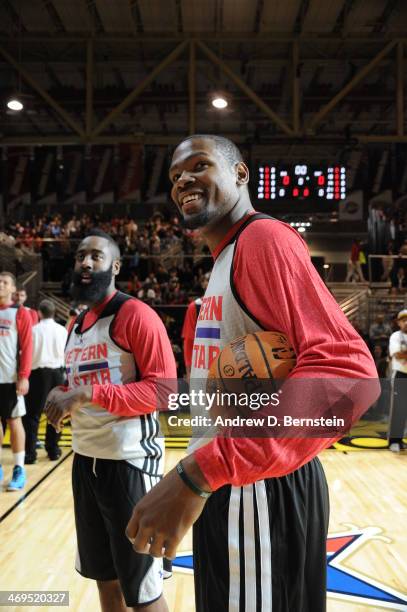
395, 447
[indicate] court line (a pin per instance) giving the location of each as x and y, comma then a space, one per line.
24, 497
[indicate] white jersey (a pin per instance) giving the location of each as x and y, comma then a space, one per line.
222, 318
92, 357
8, 344
398, 344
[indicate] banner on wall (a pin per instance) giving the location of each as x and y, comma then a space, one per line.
130, 175
73, 176
44, 183
100, 175
19, 187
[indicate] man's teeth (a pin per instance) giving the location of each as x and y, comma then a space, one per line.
190, 198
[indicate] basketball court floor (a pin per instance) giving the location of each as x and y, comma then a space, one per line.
366, 547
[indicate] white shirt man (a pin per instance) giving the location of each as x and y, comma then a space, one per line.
49, 339
398, 409
397, 345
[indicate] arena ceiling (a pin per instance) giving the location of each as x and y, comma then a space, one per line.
114, 71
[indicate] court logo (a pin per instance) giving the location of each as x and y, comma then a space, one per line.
343, 583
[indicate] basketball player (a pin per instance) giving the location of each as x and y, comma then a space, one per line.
398, 409
15, 368
49, 339
116, 350
260, 505
188, 328
20, 298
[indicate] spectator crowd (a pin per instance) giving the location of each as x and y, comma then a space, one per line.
163, 263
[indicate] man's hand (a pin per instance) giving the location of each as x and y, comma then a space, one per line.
22, 386
162, 517
61, 403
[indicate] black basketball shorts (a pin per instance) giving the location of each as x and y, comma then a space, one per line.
8, 399
262, 547
105, 492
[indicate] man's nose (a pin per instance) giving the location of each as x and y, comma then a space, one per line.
87, 263
184, 179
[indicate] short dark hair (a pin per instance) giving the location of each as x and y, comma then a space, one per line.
21, 288
226, 147
10, 275
101, 234
47, 309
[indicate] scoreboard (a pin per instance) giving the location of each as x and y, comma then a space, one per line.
301, 182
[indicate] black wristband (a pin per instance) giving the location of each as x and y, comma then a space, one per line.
190, 484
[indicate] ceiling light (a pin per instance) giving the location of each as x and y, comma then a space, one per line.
14, 104
219, 102
301, 229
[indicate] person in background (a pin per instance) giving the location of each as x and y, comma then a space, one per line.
398, 401
188, 328
355, 273
379, 331
49, 339
15, 368
388, 262
188, 332
20, 298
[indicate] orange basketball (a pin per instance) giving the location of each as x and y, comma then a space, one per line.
262, 354
250, 364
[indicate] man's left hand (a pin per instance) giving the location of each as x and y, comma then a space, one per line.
162, 517
22, 386
62, 403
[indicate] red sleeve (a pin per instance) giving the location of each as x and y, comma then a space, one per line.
34, 316
25, 342
188, 332
284, 292
140, 330
71, 323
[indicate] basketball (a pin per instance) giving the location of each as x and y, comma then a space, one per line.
255, 363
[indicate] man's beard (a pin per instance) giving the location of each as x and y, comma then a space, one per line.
93, 292
196, 221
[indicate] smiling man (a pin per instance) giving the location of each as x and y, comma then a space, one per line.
260, 505
115, 353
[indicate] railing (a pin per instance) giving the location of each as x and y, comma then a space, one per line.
31, 281
387, 263
388, 305
61, 307
356, 308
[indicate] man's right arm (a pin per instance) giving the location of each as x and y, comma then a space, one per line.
285, 293
140, 330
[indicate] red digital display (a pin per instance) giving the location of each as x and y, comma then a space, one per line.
300, 182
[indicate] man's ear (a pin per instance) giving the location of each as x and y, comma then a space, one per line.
116, 267
242, 173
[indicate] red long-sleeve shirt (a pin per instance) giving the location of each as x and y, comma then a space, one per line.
25, 340
33, 314
283, 291
138, 329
